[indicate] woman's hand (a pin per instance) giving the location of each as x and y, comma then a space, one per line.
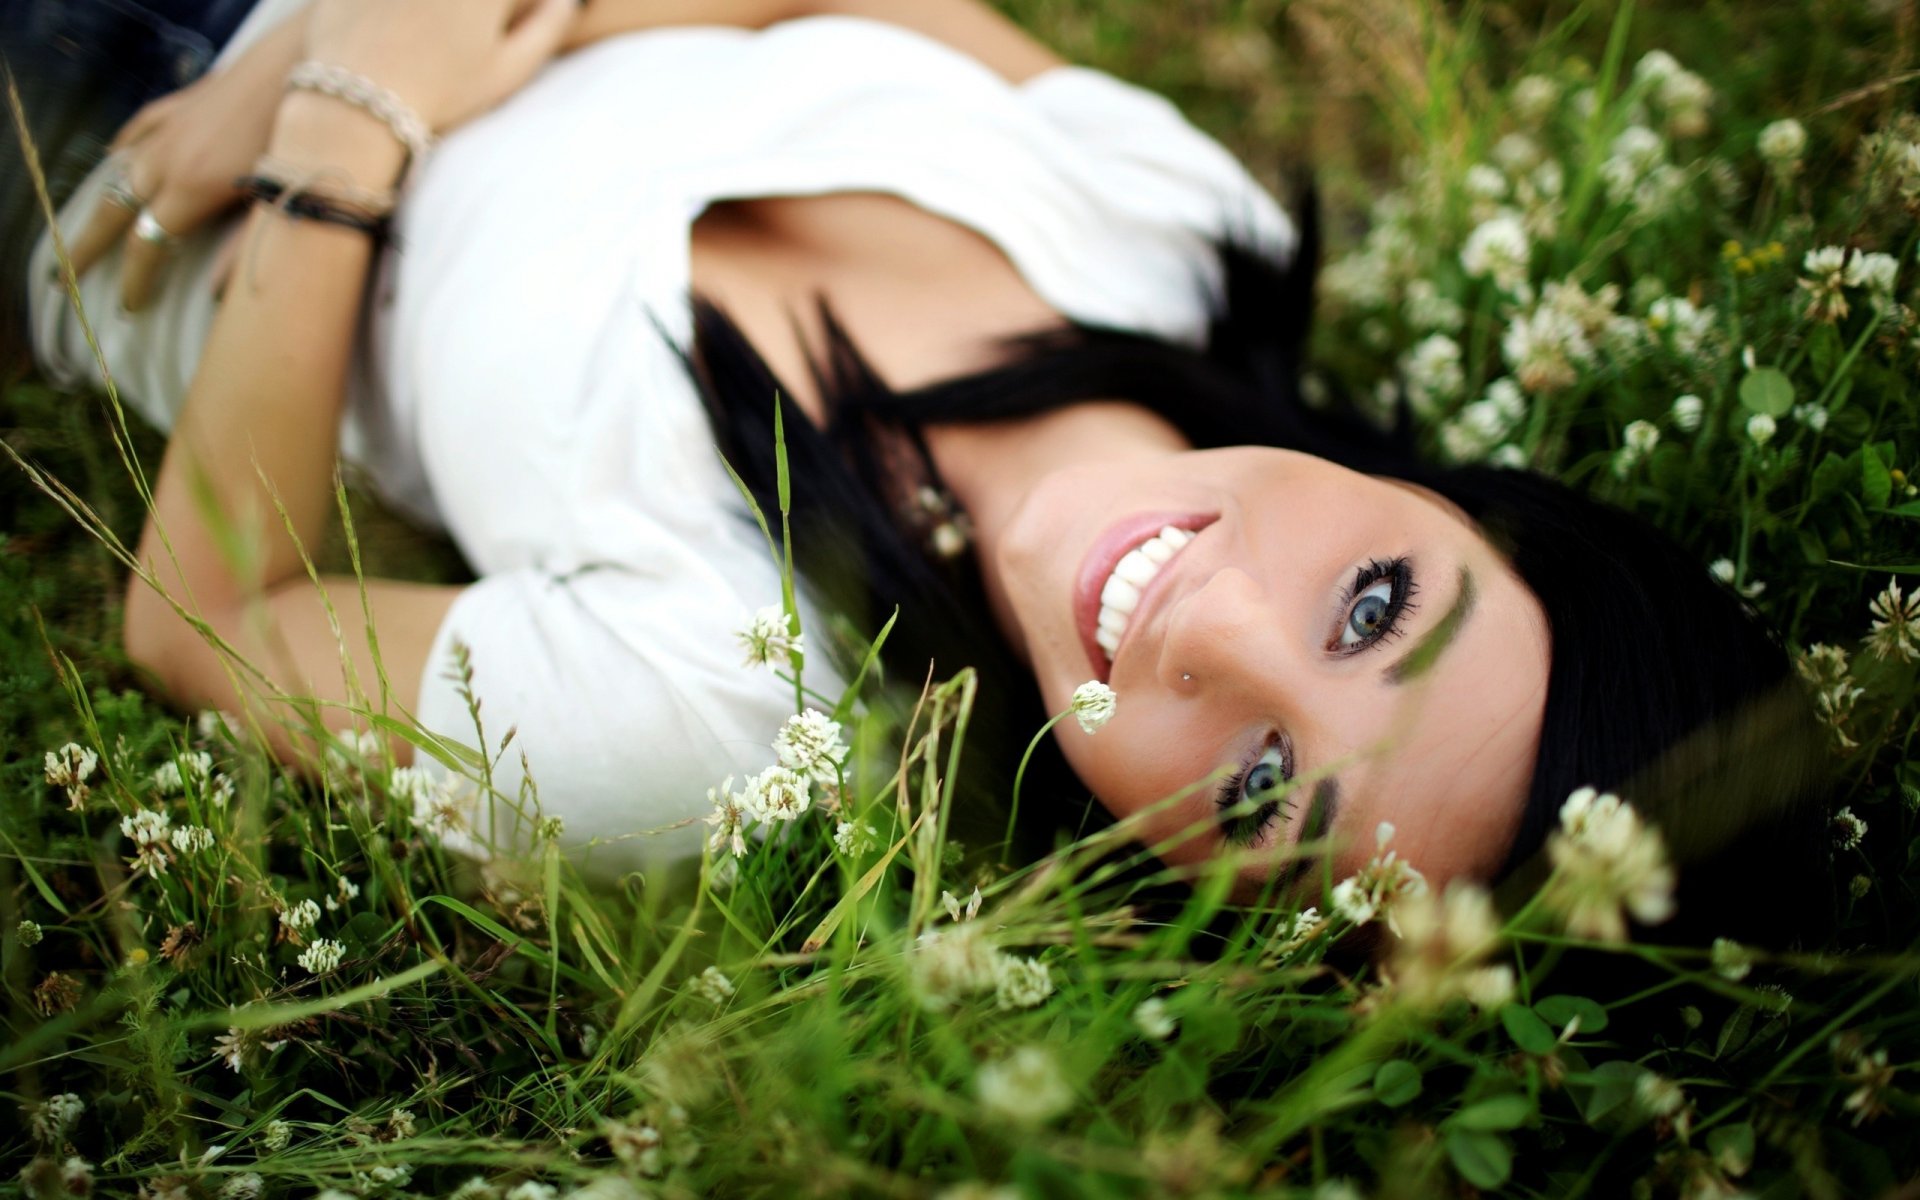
180, 154
449, 60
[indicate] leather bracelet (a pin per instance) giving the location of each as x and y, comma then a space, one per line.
307, 206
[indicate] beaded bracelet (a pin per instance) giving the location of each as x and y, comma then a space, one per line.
310, 207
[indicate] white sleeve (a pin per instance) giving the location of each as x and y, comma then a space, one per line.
1159, 163
627, 707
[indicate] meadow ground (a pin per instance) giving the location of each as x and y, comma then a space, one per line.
1663, 251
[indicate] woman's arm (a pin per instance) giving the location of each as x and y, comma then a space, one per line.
253, 452
968, 26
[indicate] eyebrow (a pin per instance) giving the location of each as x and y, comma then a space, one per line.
1427, 651
1320, 813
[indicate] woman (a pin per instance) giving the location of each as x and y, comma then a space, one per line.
997, 294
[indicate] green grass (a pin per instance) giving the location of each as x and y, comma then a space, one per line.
511, 1024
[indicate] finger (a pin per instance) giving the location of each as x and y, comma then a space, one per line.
105, 225
144, 259
534, 38
146, 120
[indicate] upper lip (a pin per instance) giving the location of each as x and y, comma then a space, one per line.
1120, 540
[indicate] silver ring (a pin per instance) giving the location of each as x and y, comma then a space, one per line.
119, 193
148, 229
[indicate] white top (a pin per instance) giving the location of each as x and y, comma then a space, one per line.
516, 386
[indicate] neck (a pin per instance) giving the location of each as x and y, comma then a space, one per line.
992, 467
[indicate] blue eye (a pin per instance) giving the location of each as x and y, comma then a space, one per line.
1262, 784
1380, 596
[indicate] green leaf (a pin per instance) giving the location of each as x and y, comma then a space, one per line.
1823, 349
1812, 548
1731, 1147
1496, 1114
1876, 481
1603, 1094
1483, 1159
1828, 477
1396, 1083
1527, 1030
1734, 1032
1767, 390
1558, 1010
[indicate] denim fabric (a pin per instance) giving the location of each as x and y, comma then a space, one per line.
82, 68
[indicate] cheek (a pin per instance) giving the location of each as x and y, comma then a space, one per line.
1149, 771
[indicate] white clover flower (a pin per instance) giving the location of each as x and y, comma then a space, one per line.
809, 744
1546, 349
1783, 142
1875, 273
168, 778
234, 1046
1641, 436
1093, 705
1687, 328
1021, 982
220, 794
1825, 670
1443, 947
1426, 309
275, 1135
712, 986
1686, 97
1152, 1019
1377, 888
54, 1118
1485, 182
1731, 960
1026, 1087
1508, 400
1812, 416
1656, 67
1761, 428
729, 819
1895, 618
1606, 860
855, 838
345, 892
637, 1145
1498, 249
401, 1124
1658, 1096
1687, 412
1516, 153
950, 964
151, 832
955, 912
1358, 281
776, 794
1432, 372
1723, 570
29, 933
321, 957
1825, 283
192, 839
1486, 420
532, 1189
247, 1185
1848, 830
70, 767
1534, 97
297, 918
768, 642
1509, 456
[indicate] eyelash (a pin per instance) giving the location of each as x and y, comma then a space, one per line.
1246, 829
1400, 572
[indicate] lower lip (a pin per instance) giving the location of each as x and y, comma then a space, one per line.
1097, 567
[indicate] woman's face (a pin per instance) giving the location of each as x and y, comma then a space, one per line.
1318, 623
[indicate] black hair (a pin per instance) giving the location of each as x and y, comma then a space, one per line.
1662, 684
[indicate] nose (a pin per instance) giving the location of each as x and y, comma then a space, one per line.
1225, 639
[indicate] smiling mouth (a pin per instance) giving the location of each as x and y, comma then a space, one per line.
1119, 571
1120, 595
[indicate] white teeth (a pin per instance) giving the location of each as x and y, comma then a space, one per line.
1137, 569
1119, 595
1131, 575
